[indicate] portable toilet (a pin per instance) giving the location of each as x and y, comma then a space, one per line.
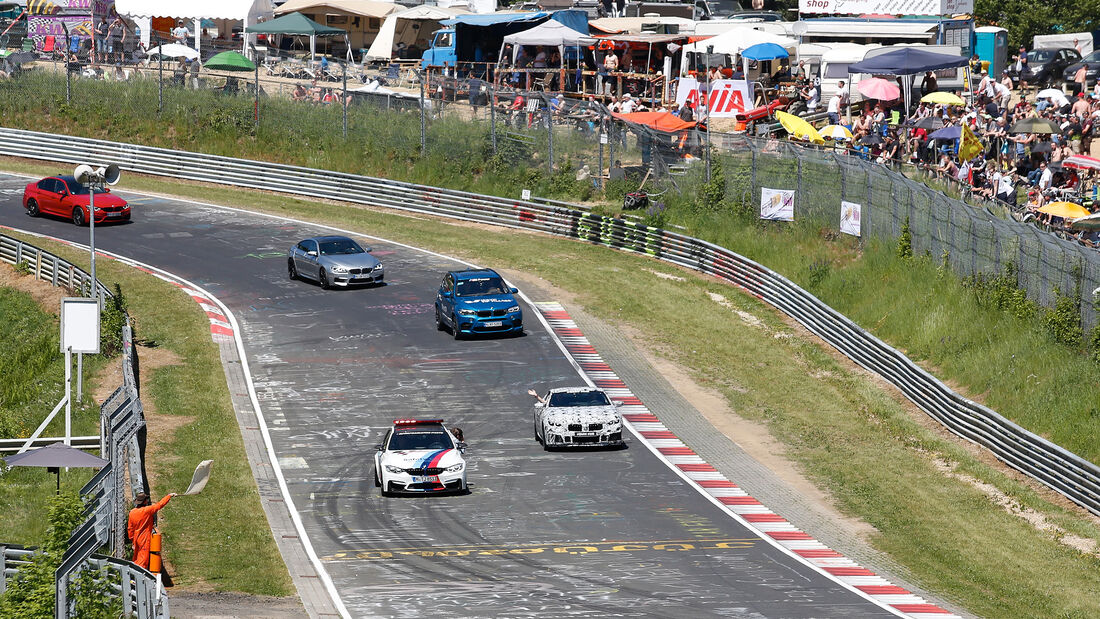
992, 48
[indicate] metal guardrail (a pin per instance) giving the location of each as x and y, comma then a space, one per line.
132, 584
121, 418
1061, 470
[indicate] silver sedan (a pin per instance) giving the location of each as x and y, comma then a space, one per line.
333, 261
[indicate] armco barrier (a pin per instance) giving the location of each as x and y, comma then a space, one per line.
1065, 472
121, 417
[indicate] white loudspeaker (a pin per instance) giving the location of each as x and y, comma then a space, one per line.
112, 174
83, 173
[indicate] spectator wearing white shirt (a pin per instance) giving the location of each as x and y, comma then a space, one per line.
836, 103
1046, 178
628, 104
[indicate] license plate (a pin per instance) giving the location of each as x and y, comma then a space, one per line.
585, 433
114, 214
494, 323
426, 479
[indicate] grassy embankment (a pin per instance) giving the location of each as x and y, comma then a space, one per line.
858, 442
211, 540
32, 382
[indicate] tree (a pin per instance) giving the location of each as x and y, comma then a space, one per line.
1026, 18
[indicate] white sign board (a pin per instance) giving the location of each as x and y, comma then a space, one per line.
850, 214
885, 7
726, 99
525, 194
80, 325
777, 204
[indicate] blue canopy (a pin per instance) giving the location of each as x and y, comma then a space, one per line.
765, 51
907, 61
953, 132
488, 19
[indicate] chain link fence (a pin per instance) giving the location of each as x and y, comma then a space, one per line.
362, 119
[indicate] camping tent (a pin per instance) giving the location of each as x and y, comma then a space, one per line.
298, 24
551, 34
143, 11
408, 27
361, 18
907, 61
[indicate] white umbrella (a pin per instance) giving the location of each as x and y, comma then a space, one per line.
174, 50
1054, 94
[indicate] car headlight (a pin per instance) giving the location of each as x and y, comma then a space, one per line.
513, 309
454, 468
467, 312
98, 209
339, 269
553, 422
377, 267
394, 469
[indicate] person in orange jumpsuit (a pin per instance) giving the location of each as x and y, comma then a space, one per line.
139, 526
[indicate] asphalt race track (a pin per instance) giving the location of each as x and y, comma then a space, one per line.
541, 534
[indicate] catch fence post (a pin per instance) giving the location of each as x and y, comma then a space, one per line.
493, 115
423, 121
344, 98
550, 135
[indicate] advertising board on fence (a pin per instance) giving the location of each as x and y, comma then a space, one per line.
850, 214
777, 204
725, 98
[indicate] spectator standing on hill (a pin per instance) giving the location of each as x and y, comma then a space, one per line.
836, 104
928, 85
101, 31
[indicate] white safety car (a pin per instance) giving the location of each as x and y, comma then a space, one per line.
420, 456
577, 417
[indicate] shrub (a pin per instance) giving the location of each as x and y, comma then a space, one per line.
31, 592
112, 320
905, 242
1063, 321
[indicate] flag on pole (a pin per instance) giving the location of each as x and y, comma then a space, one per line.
970, 146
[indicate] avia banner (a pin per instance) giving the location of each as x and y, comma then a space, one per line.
727, 98
886, 7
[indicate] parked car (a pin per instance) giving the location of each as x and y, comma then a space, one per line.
477, 301
419, 456
1092, 60
334, 261
64, 196
1045, 66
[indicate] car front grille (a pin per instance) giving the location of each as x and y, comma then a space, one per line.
595, 426
434, 470
497, 313
575, 427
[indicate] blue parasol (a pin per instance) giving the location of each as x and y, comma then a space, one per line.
765, 51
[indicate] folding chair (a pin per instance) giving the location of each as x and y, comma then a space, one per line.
48, 44
28, 45
393, 75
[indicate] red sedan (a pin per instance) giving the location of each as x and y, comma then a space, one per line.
66, 197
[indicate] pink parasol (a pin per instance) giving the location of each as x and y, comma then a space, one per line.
878, 88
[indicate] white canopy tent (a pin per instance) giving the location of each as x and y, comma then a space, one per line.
551, 34
249, 12
408, 27
735, 41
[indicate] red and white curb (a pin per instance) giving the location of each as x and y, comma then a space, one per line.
219, 324
770, 526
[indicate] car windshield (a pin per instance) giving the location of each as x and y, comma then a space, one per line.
410, 440
78, 189
340, 246
1040, 55
579, 398
478, 286
1092, 58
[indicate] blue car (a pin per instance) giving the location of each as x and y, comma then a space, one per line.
477, 301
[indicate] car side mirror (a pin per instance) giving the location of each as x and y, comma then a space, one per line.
616, 403
378, 447
311, 253
540, 404
513, 290
368, 249
462, 446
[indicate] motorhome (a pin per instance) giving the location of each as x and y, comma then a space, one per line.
834, 67
886, 31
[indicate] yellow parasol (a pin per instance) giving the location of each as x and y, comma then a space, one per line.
944, 98
836, 132
798, 128
1065, 210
